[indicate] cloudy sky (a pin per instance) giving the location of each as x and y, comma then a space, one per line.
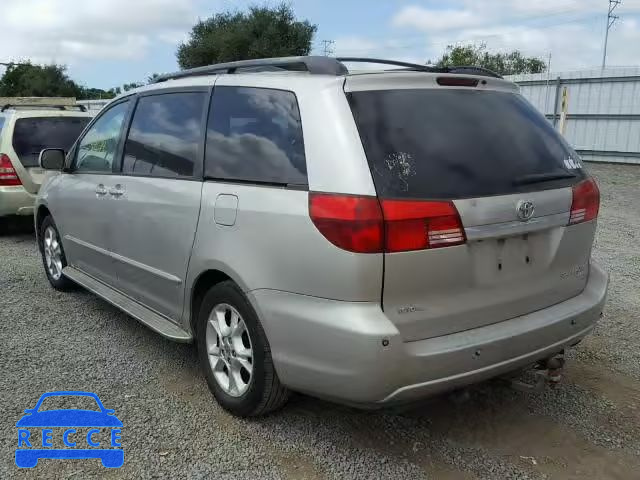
110, 42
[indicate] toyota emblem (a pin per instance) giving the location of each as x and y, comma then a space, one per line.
525, 209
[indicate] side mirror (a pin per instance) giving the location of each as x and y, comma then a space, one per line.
30, 410
52, 159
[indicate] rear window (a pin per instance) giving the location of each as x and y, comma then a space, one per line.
454, 143
31, 135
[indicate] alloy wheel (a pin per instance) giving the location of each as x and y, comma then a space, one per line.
229, 349
52, 253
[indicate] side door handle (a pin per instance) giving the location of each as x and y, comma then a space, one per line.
117, 191
101, 190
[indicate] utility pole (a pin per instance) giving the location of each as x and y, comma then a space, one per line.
327, 47
611, 19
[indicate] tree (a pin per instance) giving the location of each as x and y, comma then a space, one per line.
261, 32
503, 63
95, 93
27, 80
152, 78
130, 86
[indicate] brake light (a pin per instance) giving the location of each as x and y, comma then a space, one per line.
586, 202
457, 82
365, 225
417, 225
8, 174
350, 222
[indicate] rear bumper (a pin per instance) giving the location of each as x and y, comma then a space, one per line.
351, 352
16, 201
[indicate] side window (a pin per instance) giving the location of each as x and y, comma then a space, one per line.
255, 134
165, 135
97, 149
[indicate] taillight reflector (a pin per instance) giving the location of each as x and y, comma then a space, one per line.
586, 202
8, 175
365, 225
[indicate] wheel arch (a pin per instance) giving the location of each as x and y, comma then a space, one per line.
41, 213
201, 285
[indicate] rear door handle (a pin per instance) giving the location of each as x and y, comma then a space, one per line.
101, 190
117, 191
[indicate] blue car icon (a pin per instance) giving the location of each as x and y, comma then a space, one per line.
27, 457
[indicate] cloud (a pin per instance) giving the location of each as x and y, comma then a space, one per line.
434, 20
68, 31
571, 30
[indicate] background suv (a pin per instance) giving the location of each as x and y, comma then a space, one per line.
25, 129
370, 238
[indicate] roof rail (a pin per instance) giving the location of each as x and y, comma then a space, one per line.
314, 65
7, 106
464, 69
311, 64
395, 63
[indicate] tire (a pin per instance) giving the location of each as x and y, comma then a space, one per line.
56, 279
257, 392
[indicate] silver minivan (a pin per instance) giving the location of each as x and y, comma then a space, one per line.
368, 237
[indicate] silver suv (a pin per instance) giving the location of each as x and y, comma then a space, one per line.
367, 237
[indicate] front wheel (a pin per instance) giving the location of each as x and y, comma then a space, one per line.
53, 257
235, 354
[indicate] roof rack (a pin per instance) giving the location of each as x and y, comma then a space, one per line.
311, 64
395, 63
463, 69
315, 65
7, 106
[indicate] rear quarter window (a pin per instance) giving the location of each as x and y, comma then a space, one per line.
255, 135
459, 143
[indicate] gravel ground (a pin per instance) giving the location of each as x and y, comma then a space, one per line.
588, 427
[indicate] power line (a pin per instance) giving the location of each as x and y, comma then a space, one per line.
327, 47
611, 19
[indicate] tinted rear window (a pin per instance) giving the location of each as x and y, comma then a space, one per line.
455, 143
30, 135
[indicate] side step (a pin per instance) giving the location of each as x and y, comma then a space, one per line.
151, 319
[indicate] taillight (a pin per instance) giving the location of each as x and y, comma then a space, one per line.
365, 225
585, 203
8, 175
416, 225
350, 222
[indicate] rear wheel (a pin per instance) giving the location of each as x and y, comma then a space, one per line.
235, 355
53, 257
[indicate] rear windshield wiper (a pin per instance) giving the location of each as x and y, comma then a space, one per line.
542, 177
